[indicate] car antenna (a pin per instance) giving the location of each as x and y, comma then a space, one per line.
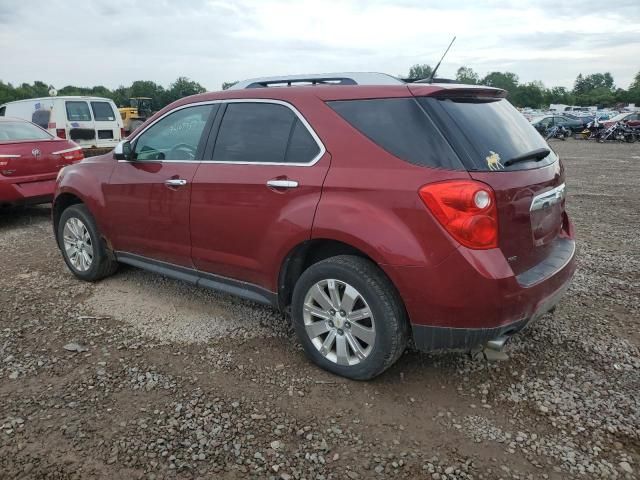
433, 73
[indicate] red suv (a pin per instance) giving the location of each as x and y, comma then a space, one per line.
371, 210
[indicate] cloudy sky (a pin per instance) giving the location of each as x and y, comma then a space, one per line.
113, 42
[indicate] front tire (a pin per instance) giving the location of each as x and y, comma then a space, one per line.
349, 317
82, 246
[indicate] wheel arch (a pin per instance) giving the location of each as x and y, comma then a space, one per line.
309, 252
60, 204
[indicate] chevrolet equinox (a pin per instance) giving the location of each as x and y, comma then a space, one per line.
370, 210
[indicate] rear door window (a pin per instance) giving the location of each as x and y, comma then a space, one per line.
78, 111
487, 131
2, 110
102, 112
401, 127
263, 133
41, 118
302, 147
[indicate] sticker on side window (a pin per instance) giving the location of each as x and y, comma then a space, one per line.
493, 161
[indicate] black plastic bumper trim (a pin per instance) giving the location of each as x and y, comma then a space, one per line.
201, 279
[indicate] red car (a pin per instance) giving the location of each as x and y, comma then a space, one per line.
30, 159
631, 119
370, 210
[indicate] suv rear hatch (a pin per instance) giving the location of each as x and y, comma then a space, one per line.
499, 147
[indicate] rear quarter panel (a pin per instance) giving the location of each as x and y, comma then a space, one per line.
370, 198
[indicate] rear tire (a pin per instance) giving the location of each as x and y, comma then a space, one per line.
82, 246
349, 317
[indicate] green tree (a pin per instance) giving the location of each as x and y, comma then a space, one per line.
121, 96
467, 75
7, 92
506, 80
633, 94
419, 71
183, 87
227, 85
530, 94
148, 88
579, 86
560, 95
596, 89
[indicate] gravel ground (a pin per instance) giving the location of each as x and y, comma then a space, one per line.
143, 377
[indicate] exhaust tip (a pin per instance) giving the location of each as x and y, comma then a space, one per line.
497, 344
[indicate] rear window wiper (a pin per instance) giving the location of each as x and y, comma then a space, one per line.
536, 155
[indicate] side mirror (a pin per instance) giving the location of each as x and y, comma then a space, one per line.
123, 151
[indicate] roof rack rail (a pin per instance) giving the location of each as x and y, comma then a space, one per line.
357, 78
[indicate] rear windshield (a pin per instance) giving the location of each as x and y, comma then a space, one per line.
486, 132
78, 112
401, 127
12, 131
102, 112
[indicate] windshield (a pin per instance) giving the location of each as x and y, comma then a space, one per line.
487, 132
15, 131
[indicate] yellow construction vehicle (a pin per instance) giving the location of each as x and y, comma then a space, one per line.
136, 113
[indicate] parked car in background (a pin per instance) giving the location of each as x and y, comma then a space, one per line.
30, 159
631, 119
91, 122
546, 122
371, 210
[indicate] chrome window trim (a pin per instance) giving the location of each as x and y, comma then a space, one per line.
295, 111
548, 198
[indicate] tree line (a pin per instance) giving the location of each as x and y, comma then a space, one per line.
595, 89
160, 96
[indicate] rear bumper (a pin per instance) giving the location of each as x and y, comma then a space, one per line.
21, 191
474, 296
428, 338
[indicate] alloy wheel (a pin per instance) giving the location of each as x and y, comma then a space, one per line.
77, 244
339, 322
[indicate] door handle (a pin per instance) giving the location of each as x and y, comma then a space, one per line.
175, 182
282, 184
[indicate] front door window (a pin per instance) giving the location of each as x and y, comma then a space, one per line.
175, 137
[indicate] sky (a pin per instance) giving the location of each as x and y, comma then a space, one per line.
114, 42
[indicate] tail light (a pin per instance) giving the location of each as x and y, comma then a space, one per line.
61, 133
122, 134
71, 155
466, 209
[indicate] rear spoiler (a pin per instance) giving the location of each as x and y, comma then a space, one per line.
457, 91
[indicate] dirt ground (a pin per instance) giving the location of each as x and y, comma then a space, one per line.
178, 382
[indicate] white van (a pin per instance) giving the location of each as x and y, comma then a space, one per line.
91, 122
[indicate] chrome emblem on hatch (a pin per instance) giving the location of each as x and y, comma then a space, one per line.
36, 153
549, 198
